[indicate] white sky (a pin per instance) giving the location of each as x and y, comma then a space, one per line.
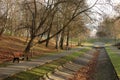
103, 5
103, 8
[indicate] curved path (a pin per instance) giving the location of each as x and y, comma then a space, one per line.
26, 65
104, 69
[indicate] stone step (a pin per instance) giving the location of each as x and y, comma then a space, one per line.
67, 70
81, 61
58, 75
72, 66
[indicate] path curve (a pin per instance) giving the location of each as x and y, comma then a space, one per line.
27, 65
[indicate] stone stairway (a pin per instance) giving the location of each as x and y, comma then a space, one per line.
67, 70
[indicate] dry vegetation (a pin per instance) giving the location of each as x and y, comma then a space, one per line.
8, 45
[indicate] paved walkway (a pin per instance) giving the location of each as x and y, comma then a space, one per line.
105, 69
26, 65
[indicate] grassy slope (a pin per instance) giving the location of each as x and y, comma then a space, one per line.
115, 58
10, 44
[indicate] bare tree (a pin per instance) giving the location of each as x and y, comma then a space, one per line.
37, 19
4, 11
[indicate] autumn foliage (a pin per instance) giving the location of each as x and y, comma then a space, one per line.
10, 45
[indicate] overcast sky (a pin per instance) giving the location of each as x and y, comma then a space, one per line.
104, 5
104, 8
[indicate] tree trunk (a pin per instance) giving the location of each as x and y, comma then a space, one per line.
57, 44
61, 43
62, 40
47, 41
28, 47
57, 36
68, 36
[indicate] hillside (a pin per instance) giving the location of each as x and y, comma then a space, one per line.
10, 44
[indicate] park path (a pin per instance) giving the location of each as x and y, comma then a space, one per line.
67, 71
105, 69
26, 65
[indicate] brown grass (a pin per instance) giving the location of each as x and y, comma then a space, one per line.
9, 44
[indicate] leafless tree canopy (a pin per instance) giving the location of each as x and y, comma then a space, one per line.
43, 20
